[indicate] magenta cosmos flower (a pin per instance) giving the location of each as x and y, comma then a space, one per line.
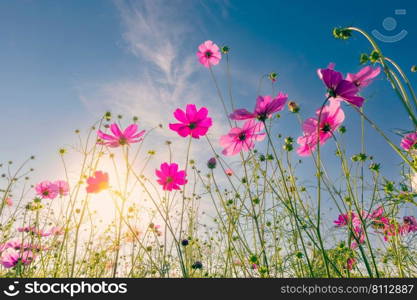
242, 138
209, 54
409, 141
264, 108
169, 177
192, 122
129, 136
332, 117
11, 257
409, 225
47, 190
339, 88
364, 77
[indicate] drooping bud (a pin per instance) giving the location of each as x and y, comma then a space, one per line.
342, 33
374, 57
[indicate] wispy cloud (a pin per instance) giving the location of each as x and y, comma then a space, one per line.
158, 33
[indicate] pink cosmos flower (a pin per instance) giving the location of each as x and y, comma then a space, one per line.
343, 219
339, 88
56, 230
409, 225
332, 116
98, 182
192, 122
169, 177
364, 77
34, 231
10, 258
9, 201
350, 263
359, 237
353, 219
209, 54
390, 230
244, 138
409, 141
18, 245
47, 190
63, 187
129, 136
377, 213
264, 108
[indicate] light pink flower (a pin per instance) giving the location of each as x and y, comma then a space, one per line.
129, 136
244, 138
409, 141
229, 172
169, 177
364, 77
209, 54
264, 108
332, 116
192, 122
63, 187
47, 190
98, 182
339, 88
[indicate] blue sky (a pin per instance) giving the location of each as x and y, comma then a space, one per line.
64, 63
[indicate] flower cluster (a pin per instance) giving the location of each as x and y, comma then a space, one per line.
379, 221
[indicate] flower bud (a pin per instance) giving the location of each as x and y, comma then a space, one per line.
107, 116
197, 265
342, 33
212, 162
293, 107
374, 57
414, 69
225, 49
363, 59
273, 76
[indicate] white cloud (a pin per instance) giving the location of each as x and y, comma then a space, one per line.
155, 32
